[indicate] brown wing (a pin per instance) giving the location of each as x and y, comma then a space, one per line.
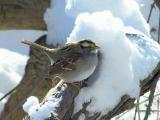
65, 64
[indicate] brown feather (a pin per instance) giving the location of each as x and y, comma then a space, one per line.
66, 64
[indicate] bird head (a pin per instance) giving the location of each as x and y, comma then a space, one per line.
88, 46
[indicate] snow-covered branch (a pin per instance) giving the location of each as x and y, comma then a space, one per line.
62, 96
59, 102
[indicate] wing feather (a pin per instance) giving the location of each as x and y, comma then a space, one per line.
65, 64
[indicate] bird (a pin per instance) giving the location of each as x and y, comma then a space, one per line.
73, 62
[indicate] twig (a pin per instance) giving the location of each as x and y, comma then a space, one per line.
159, 28
35, 45
12, 90
137, 110
147, 98
158, 108
150, 12
151, 96
151, 111
139, 104
135, 113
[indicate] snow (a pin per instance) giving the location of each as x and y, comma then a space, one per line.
41, 111
124, 61
59, 25
81, 117
148, 56
130, 15
31, 101
66, 11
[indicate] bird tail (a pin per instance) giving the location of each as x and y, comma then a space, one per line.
35, 45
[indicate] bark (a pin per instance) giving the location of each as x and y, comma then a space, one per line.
23, 14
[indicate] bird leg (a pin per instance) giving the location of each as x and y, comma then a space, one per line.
75, 85
79, 84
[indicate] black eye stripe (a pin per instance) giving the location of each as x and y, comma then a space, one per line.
87, 41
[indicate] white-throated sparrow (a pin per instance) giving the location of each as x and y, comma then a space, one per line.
73, 62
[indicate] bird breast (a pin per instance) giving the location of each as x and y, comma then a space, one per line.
84, 68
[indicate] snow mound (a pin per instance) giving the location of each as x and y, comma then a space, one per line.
60, 17
41, 111
127, 10
124, 62
31, 101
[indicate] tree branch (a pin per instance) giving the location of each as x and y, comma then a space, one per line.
151, 96
29, 14
65, 109
68, 93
